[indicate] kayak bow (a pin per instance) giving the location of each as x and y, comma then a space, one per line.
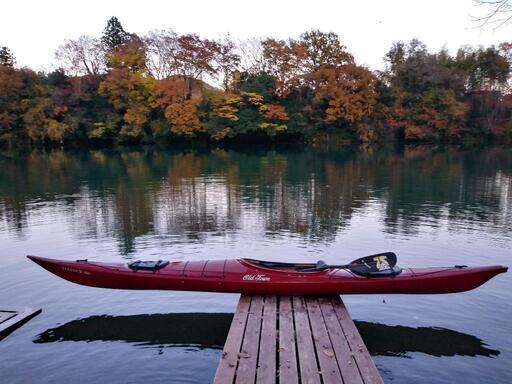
260, 277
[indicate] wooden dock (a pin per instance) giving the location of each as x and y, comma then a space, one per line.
282, 339
13, 318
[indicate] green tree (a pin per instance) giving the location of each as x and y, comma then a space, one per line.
261, 83
114, 34
494, 69
483, 68
323, 49
6, 57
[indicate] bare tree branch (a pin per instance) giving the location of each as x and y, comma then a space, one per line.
84, 56
497, 13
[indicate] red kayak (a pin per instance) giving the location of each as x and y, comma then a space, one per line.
262, 277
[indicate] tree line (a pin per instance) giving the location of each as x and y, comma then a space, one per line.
164, 86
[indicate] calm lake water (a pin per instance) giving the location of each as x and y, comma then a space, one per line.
433, 207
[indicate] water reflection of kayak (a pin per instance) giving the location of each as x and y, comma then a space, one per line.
209, 330
260, 277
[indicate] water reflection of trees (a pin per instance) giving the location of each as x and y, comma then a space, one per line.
189, 195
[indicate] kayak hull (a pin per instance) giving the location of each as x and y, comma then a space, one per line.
240, 276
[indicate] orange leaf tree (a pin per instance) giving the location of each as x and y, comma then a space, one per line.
343, 94
185, 118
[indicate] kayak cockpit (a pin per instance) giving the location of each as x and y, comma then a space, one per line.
288, 267
361, 269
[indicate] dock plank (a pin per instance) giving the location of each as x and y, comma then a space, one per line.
323, 345
308, 366
344, 356
288, 372
268, 343
367, 368
248, 357
228, 363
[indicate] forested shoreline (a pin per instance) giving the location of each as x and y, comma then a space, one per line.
165, 87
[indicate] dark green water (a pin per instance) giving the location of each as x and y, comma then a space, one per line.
432, 207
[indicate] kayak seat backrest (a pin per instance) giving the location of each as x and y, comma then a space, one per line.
364, 271
319, 266
284, 266
274, 264
148, 265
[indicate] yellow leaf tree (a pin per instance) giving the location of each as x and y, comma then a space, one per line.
129, 88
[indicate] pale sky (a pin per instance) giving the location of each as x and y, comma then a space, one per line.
33, 29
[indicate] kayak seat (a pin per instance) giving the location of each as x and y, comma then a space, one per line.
364, 271
272, 264
283, 266
319, 266
148, 265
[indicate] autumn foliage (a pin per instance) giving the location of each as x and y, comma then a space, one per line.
185, 118
344, 93
164, 86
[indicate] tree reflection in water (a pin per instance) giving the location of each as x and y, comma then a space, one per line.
312, 193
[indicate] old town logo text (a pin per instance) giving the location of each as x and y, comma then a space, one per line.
256, 278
